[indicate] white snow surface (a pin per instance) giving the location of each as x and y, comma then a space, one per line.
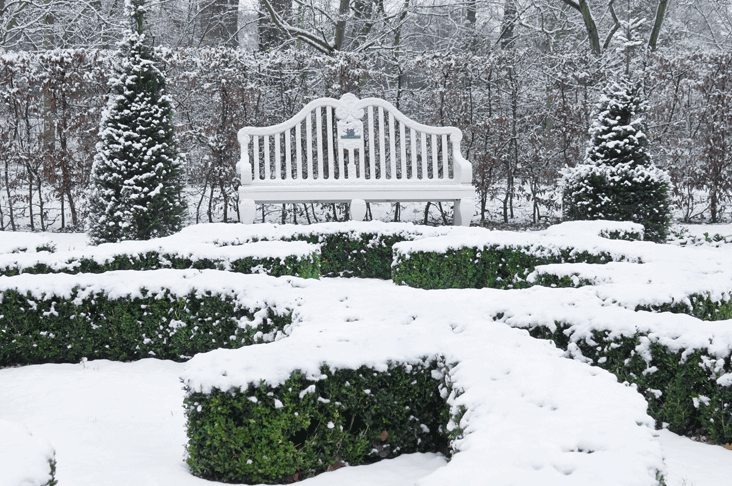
533, 416
169, 246
24, 458
578, 235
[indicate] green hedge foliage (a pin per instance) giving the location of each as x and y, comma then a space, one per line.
280, 434
152, 260
52, 329
700, 305
342, 254
52, 481
681, 387
627, 235
470, 267
349, 254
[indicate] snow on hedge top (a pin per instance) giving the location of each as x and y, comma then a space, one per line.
199, 237
653, 283
230, 234
248, 290
532, 416
24, 459
173, 246
577, 235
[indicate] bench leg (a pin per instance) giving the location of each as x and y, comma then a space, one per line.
358, 209
463, 212
247, 210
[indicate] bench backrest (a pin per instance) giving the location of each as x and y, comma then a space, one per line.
367, 140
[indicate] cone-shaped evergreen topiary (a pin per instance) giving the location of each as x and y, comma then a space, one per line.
137, 176
617, 180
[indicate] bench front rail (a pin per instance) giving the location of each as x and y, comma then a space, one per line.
352, 150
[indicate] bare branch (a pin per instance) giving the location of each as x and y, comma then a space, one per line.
616, 25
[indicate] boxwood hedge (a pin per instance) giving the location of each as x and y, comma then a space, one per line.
683, 388
54, 329
308, 267
494, 266
363, 255
700, 305
280, 434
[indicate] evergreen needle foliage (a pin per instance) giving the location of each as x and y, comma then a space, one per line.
137, 175
618, 181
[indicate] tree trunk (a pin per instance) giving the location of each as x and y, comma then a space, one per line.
589, 21
11, 214
510, 16
210, 204
271, 36
660, 13
30, 199
219, 20
470, 15
340, 33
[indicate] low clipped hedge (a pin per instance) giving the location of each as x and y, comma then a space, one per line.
683, 389
622, 234
308, 267
281, 434
54, 329
349, 254
699, 305
342, 254
495, 266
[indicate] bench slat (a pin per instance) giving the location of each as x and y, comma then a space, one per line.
445, 174
434, 156
402, 167
392, 146
288, 155
331, 163
277, 158
298, 151
321, 153
413, 143
382, 140
372, 155
423, 164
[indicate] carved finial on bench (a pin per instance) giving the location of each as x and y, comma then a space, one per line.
347, 107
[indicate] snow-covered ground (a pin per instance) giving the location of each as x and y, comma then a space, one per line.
532, 414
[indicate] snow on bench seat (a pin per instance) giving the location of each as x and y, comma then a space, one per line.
353, 151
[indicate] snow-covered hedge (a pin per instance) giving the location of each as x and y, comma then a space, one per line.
273, 258
126, 315
308, 425
349, 249
478, 258
518, 410
682, 366
690, 281
25, 460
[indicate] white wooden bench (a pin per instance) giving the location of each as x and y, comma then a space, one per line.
329, 153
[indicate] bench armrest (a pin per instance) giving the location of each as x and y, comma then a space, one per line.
463, 169
244, 167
